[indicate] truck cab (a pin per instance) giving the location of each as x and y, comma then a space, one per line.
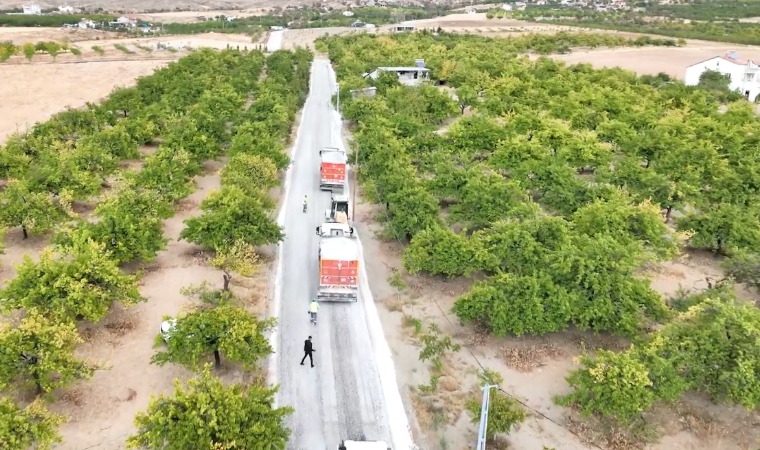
363, 445
338, 209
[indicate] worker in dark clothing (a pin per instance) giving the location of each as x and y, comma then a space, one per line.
308, 349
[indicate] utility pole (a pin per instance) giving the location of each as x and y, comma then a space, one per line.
484, 417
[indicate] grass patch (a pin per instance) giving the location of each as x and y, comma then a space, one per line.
123, 49
76, 51
145, 48
98, 49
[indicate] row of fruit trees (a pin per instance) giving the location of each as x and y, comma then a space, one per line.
231, 104
557, 185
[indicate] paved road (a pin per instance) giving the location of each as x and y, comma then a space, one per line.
342, 397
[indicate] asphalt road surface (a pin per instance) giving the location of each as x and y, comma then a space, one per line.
341, 397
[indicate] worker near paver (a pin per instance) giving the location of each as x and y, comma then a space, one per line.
313, 310
308, 349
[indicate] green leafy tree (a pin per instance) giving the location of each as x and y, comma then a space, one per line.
440, 251
254, 138
625, 221
81, 282
208, 414
503, 413
224, 329
487, 198
34, 212
412, 209
723, 227
611, 384
466, 97
40, 352
715, 346
252, 173
22, 428
167, 172
744, 267
130, 226
240, 257
230, 215
517, 305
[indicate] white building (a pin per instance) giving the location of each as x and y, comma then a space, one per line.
408, 76
520, 6
66, 9
348, 14
744, 75
31, 9
85, 23
506, 7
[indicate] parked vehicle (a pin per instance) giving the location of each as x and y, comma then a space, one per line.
338, 263
332, 169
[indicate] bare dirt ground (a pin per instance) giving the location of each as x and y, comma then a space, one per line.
46, 85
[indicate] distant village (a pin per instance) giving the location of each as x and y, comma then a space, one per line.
129, 22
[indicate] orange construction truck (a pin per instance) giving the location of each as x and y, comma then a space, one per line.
332, 169
338, 263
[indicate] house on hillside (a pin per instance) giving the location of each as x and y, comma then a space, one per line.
66, 9
31, 9
126, 21
744, 75
506, 7
348, 14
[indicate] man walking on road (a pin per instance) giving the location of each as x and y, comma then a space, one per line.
308, 349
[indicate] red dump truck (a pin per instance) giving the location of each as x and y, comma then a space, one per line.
332, 169
338, 263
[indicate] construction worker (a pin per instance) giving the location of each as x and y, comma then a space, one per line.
314, 309
308, 349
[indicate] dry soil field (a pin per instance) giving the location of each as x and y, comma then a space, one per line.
140, 6
102, 409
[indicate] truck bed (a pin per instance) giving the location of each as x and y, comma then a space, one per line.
338, 283
332, 174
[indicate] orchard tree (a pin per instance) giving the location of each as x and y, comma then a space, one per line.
32, 426
252, 173
124, 99
515, 305
224, 329
169, 172
412, 209
207, 414
230, 215
467, 97
40, 352
487, 198
723, 227
81, 282
503, 413
35, 212
716, 347
440, 251
620, 218
611, 384
62, 170
130, 226
744, 267
253, 138
240, 257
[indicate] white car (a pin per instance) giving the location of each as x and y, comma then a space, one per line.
166, 327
